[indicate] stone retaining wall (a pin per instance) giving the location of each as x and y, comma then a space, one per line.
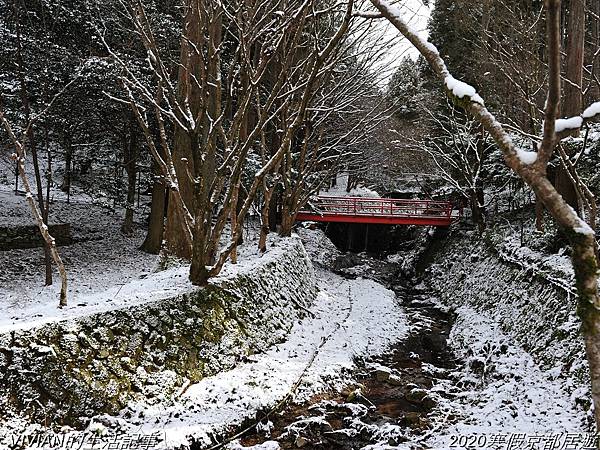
530, 298
75, 368
15, 237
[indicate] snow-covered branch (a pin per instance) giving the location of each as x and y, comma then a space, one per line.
533, 171
565, 127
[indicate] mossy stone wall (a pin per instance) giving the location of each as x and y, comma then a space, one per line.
532, 301
64, 371
15, 237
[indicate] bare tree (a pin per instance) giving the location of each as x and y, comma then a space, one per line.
44, 206
593, 47
220, 107
19, 156
510, 53
346, 113
532, 167
459, 151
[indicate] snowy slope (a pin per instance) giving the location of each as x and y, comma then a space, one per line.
101, 258
339, 190
148, 287
499, 389
350, 318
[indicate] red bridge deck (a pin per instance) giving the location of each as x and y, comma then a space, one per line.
386, 211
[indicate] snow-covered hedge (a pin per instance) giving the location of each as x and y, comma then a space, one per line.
68, 369
530, 295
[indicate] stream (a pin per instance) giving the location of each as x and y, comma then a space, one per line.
390, 399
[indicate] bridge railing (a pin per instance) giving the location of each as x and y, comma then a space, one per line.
359, 206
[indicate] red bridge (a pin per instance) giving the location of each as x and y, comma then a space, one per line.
386, 211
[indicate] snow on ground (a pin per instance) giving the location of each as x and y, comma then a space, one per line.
319, 247
145, 287
105, 268
100, 262
350, 318
557, 268
498, 389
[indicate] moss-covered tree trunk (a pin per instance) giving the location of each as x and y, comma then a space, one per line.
585, 264
188, 90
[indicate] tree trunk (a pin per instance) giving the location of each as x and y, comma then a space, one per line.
349, 183
585, 264
50, 241
287, 223
46, 208
205, 244
32, 145
275, 208
199, 270
564, 185
235, 197
476, 202
130, 163
265, 219
289, 210
66, 184
573, 96
40, 197
594, 11
154, 237
42, 205
539, 215
234, 221
185, 143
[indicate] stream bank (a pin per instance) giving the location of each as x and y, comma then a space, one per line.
389, 399
529, 294
456, 372
392, 394
148, 340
